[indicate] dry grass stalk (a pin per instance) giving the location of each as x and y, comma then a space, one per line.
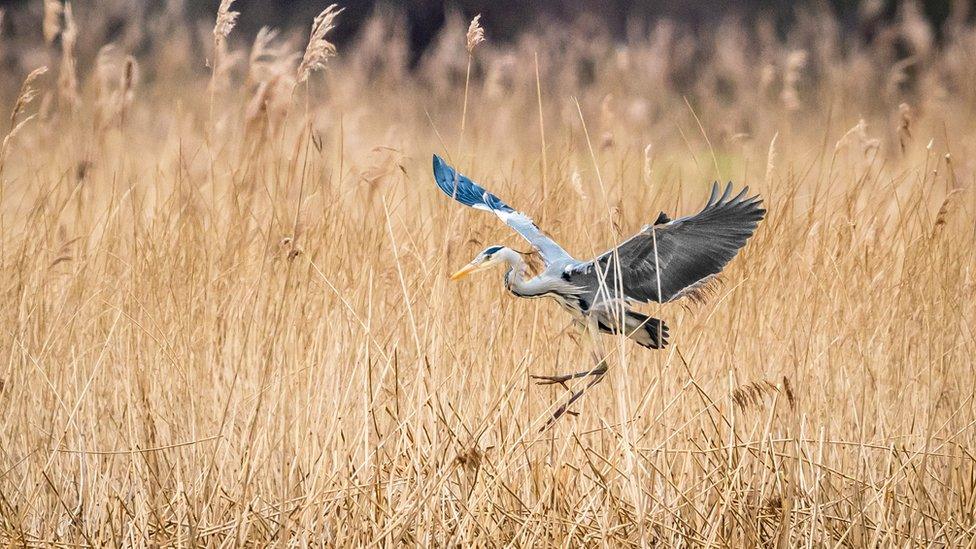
608, 121
24, 98
51, 24
648, 163
68, 77
116, 78
795, 62
319, 50
385, 168
771, 159
473, 37
5, 147
767, 75
904, 126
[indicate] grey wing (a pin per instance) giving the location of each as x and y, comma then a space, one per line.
469, 193
679, 255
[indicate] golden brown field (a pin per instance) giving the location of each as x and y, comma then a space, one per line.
226, 315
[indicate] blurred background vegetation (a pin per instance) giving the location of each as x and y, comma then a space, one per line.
136, 25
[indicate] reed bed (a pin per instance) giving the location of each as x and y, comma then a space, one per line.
227, 318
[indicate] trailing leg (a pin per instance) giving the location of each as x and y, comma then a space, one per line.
599, 370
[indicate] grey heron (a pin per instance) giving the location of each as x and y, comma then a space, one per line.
667, 260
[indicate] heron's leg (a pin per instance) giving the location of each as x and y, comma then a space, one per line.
598, 372
564, 409
600, 368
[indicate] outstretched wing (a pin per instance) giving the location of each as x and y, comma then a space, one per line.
469, 193
679, 255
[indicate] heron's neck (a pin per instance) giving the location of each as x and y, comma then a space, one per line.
515, 275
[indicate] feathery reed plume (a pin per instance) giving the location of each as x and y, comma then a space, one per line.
24, 98
475, 35
263, 44
255, 112
226, 20
701, 292
130, 76
788, 389
271, 79
26, 95
608, 119
944, 210
223, 25
753, 394
795, 62
51, 24
288, 249
116, 77
904, 126
385, 166
859, 135
319, 50
470, 458
915, 29
848, 135
870, 9
268, 59
771, 158
767, 75
577, 180
68, 79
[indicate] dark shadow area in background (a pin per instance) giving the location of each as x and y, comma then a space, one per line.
505, 19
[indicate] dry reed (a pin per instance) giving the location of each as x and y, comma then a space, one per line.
242, 333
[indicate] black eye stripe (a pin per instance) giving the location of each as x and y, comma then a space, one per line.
491, 250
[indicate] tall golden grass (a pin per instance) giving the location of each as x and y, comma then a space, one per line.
226, 317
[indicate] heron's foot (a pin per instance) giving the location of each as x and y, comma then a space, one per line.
564, 409
599, 370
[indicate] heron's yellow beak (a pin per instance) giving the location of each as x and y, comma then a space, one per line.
471, 268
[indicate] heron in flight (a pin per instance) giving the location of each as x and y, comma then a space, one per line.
667, 260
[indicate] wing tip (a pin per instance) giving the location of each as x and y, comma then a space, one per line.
726, 199
447, 179
439, 165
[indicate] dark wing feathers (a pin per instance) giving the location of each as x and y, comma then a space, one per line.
690, 249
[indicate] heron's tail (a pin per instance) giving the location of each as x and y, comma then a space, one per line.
647, 331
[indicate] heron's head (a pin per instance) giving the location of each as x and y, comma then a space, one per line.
487, 259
